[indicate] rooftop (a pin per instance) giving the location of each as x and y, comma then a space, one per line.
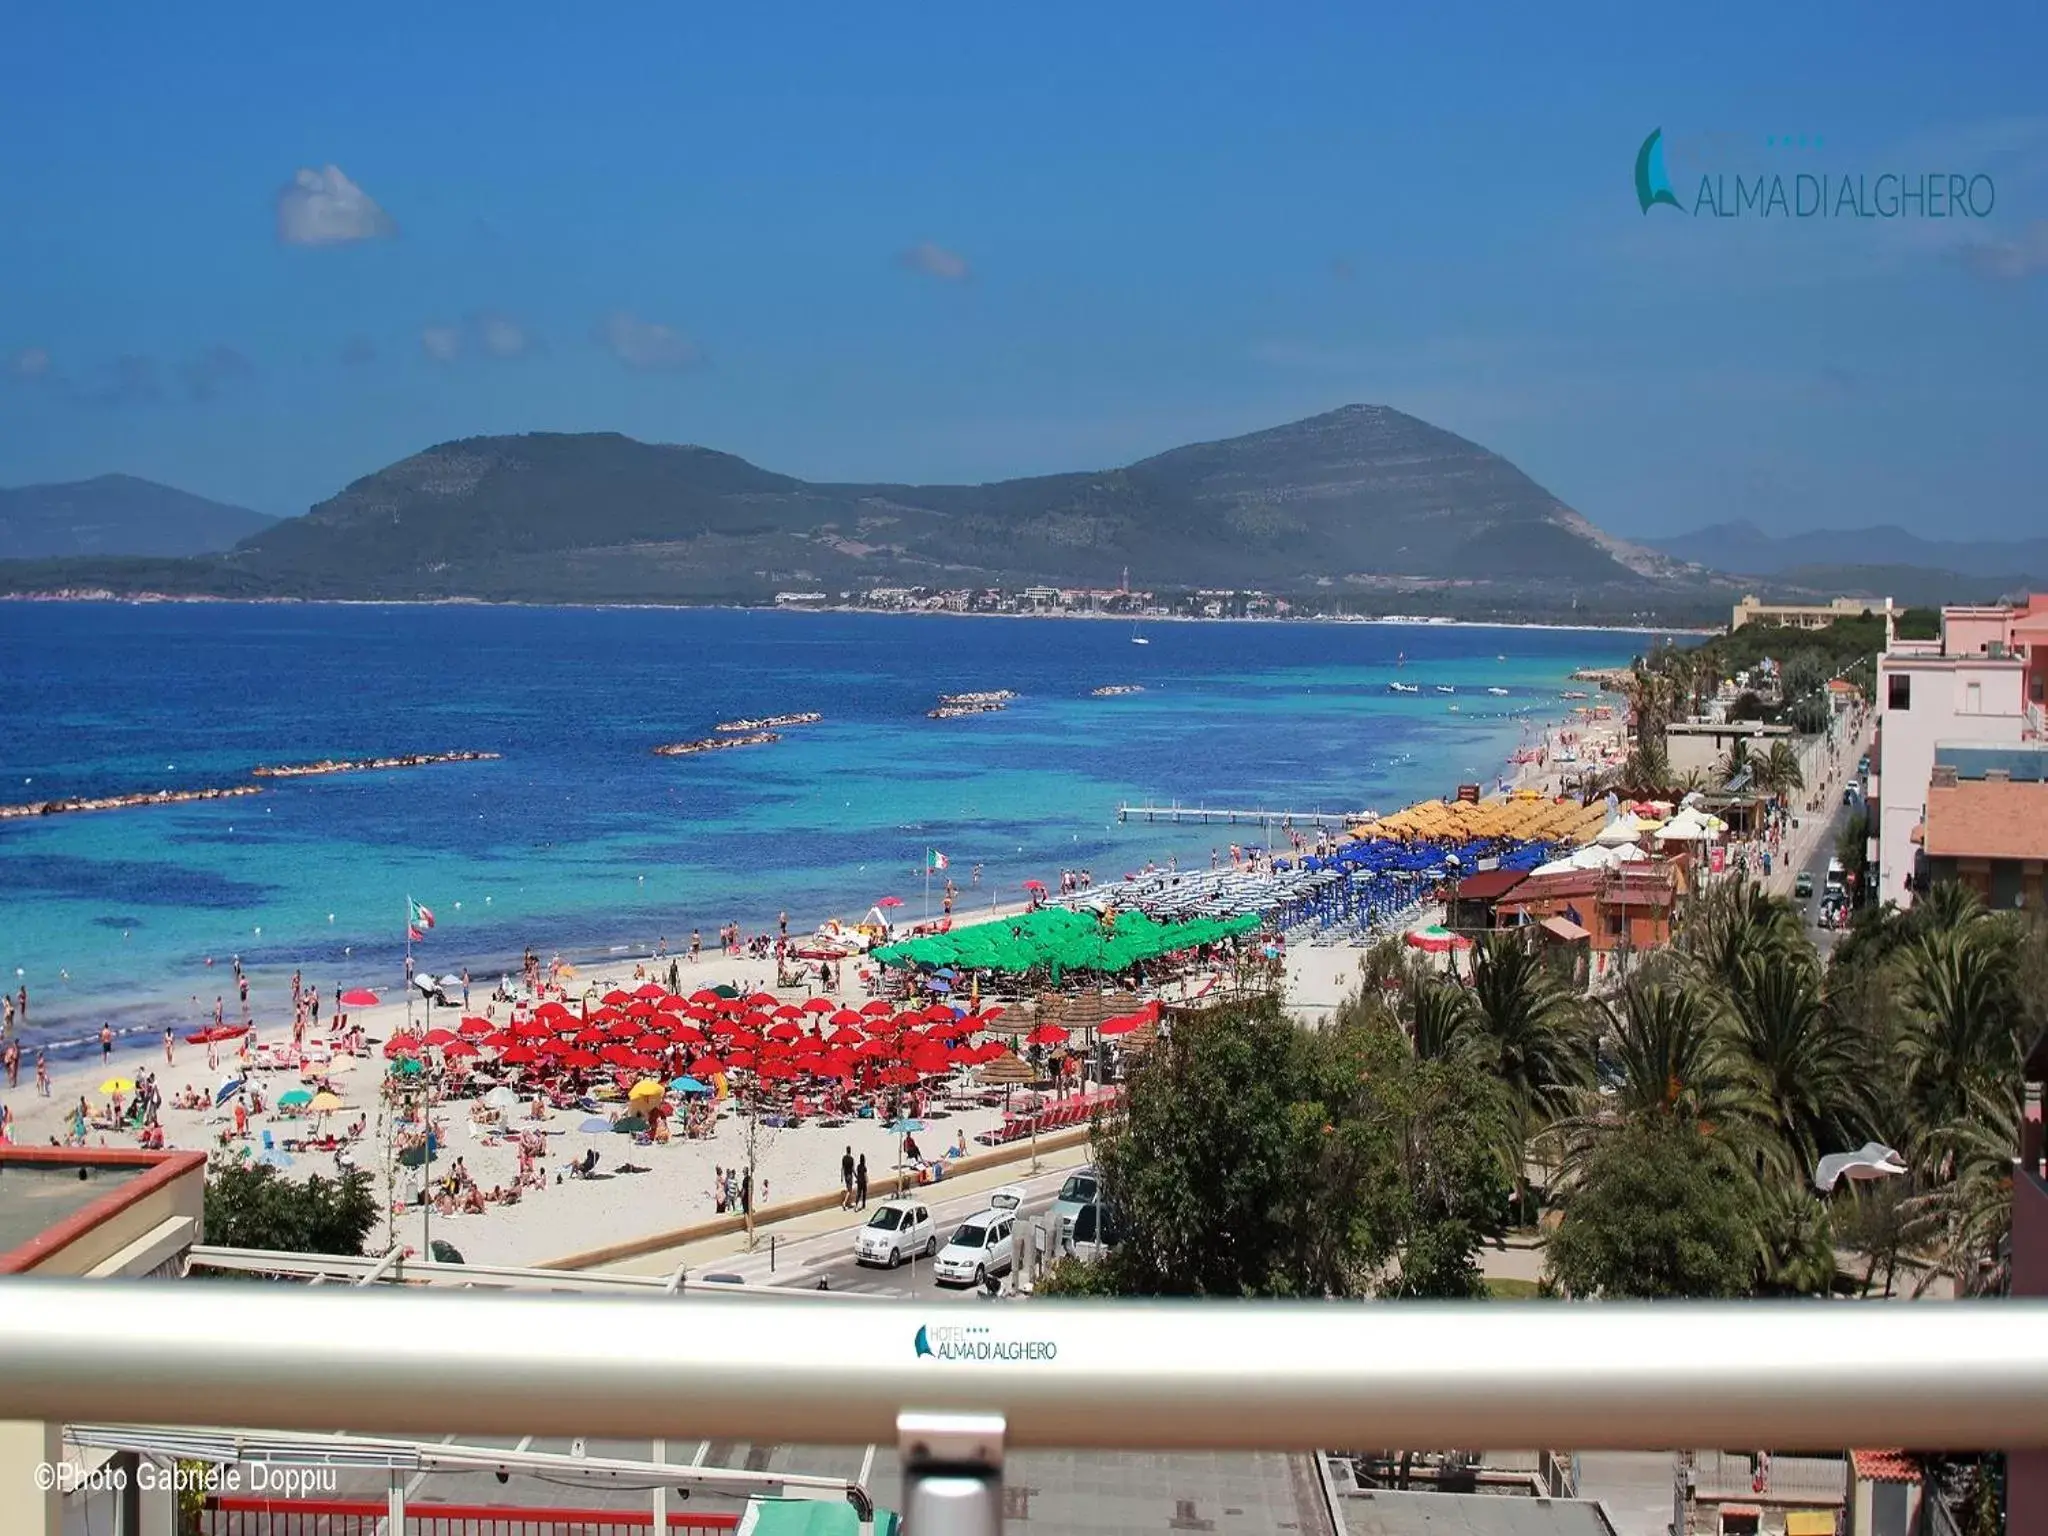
1987, 819
1468, 1514
1885, 1466
51, 1196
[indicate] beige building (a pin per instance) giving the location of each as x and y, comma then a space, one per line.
1805, 615
97, 1213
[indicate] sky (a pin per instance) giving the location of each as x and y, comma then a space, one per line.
257, 252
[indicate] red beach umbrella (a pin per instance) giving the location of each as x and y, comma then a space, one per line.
650, 991
670, 1003
402, 1045
552, 1011
618, 1053
898, 1077
643, 1063
687, 1034
1122, 1024
459, 1048
647, 1043
846, 1016
989, 1013
785, 1031
704, 997
877, 1008
516, 1056
739, 1060
498, 1041
890, 901
475, 1026
530, 1029
844, 1036
939, 1013
359, 997
818, 1005
614, 997
834, 1066
754, 1018
640, 1010
582, 1060
777, 1067
706, 1066
789, 1011
1047, 1034
931, 1060
762, 1000
875, 1048
441, 1037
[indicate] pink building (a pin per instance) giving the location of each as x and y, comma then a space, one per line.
1980, 684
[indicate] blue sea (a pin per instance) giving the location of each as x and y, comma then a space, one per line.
580, 841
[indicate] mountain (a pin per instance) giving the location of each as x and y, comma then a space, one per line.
1744, 548
117, 515
1362, 497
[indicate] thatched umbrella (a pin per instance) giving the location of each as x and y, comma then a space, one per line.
1010, 1070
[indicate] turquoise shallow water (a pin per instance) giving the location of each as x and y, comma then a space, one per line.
579, 840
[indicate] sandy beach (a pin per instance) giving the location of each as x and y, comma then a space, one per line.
567, 1214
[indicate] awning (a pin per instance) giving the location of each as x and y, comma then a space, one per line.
1810, 1522
1564, 928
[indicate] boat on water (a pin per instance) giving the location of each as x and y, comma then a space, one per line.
1575, 693
1499, 693
1445, 688
1403, 688
1136, 638
1115, 690
771, 723
714, 744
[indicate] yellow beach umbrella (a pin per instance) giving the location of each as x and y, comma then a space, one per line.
118, 1085
324, 1103
646, 1088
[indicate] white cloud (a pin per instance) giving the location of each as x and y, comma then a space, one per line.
936, 261
644, 345
441, 343
2023, 256
30, 363
502, 336
325, 208
214, 370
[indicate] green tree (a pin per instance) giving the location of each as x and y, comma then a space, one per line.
1795, 1242
252, 1205
1256, 1158
1655, 1213
1527, 1027
1801, 1059
1779, 772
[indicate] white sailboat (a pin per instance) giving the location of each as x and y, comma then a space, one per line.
1136, 638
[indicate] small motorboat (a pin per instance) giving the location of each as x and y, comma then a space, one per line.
1403, 688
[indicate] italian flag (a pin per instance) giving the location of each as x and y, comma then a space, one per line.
934, 859
417, 916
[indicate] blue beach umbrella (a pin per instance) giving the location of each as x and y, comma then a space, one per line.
595, 1123
905, 1127
227, 1090
688, 1085
275, 1159
940, 984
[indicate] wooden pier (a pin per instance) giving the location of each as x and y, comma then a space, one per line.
1205, 814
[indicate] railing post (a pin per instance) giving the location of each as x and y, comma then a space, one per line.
660, 1500
394, 1503
952, 1473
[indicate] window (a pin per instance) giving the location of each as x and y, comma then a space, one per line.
1899, 694
1973, 698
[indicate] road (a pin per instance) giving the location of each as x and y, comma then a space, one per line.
1816, 867
828, 1256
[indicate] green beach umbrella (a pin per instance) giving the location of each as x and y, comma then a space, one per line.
296, 1096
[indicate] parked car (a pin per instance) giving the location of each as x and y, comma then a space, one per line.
982, 1247
1010, 1197
1803, 886
898, 1230
1849, 794
1094, 1232
1083, 1185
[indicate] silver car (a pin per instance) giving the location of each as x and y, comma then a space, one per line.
1082, 1186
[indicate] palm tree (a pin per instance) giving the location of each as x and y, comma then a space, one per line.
1795, 1242
1961, 1042
1732, 922
1439, 1019
1672, 1058
1735, 759
1779, 772
1800, 1058
1527, 1025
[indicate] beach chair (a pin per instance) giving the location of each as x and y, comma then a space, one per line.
268, 1144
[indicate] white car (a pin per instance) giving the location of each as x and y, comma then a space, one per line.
1083, 1185
898, 1230
983, 1246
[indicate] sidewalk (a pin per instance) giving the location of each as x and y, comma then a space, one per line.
710, 1252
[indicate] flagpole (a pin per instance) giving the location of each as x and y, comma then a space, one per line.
408, 961
927, 885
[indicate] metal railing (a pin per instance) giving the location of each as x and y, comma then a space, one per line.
1135, 1375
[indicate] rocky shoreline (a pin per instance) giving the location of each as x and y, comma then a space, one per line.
123, 802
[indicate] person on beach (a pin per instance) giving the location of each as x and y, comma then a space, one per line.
106, 1043
21, 1005
696, 945
168, 1040
7, 1022
42, 1074
846, 1180
11, 1056
860, 1182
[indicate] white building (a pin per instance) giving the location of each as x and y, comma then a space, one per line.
1926, 694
